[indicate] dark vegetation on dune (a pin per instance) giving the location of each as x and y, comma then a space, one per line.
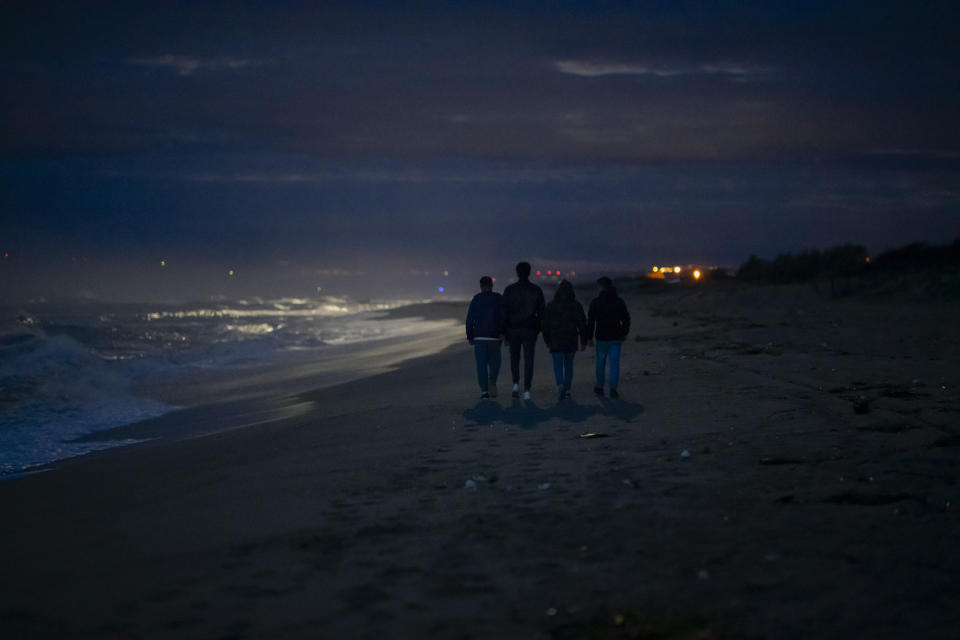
850, 267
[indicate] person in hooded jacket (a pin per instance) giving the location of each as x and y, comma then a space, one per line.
564, 328
484, 331
609, 321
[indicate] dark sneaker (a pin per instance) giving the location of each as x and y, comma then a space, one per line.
598, 391
484, 396
516, 391
614, 394
566, 395
561, 393
493, 388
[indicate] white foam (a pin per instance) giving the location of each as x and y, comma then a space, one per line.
58, 390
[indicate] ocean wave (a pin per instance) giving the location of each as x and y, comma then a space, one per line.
69, 371
54, 389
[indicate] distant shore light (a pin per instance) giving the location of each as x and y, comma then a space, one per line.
656, 269
676, 269
696, 274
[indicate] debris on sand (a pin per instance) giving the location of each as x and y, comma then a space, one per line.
861, 405
479, 479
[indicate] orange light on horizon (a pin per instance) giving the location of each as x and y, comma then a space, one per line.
696, 274
230, 273
656, 269
868, 258
676, 269
163, 263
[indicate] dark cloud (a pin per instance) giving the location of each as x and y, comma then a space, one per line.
269, 131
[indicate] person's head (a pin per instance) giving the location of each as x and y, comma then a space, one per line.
564, 291
604, 283
486, 283
523, 270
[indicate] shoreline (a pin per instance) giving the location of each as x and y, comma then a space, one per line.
248, 396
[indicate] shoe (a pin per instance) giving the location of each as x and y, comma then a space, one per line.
526, 395
566, 395
516, 391
614, 394
493, 389
598, 391
561, 393
484, 396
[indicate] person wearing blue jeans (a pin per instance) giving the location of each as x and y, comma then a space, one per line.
563, 372
484, 330
609, 322
608, 349
564, 329
487, 354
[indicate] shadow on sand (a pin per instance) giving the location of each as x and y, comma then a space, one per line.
527, 414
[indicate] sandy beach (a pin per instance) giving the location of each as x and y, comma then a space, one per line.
736, 493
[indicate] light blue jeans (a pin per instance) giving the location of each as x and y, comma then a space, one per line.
563, 368
611, 349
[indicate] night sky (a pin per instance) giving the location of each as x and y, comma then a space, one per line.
367, 147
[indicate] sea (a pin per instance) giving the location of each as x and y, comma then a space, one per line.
69, 370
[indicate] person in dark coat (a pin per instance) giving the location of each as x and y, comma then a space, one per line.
484, 332
523, 306
564, 329
609, 321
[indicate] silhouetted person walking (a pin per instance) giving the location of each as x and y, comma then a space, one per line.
484, 331
564, 329
609, 321
522, 309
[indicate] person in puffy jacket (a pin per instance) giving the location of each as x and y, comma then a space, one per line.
484, 332
609, 321
564, 328
522, 309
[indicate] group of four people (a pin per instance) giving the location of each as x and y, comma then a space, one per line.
520, 314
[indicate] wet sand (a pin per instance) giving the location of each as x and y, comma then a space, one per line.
399, 505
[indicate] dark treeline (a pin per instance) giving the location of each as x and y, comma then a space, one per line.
846, 260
